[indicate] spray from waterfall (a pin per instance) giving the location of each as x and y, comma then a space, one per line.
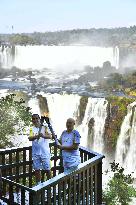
34, 105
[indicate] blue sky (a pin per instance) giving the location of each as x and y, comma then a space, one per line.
52, 15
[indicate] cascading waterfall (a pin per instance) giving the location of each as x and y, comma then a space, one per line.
96, 108
61, 107
126, 150
6, 57
34, 105
57, 57
116, 56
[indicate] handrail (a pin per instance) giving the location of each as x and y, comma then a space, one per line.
14, 149
17, 184
61, 176
90, 151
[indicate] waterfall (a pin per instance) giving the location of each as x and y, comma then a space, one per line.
125, 149
96, 108
116, 56
34, 105
6, 57
57, 57
61, 107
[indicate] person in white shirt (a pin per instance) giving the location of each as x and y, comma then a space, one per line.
40, 136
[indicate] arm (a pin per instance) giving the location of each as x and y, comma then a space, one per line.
32, 138
46, 136
45, 133
76, 142
69, 148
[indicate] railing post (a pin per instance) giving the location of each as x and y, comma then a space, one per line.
30, 167
36, 198
61, 162
0, 184
99, 183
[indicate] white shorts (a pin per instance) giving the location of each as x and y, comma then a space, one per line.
41, 163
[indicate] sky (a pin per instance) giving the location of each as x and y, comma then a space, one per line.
23, 16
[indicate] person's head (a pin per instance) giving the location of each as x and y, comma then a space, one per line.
70, 124
36, 120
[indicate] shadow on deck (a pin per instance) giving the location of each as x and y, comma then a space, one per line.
82, 186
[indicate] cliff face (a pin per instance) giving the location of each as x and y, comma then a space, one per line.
112, 127
43, 105
116, 112
90, 139
81, 110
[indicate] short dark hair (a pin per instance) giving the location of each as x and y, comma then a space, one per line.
35, 115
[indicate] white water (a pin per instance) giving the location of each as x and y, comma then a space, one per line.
126, 144
62, 58
6, 58
116, 56
34, 105
96, 108
61, 107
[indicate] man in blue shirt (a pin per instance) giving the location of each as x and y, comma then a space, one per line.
69, 144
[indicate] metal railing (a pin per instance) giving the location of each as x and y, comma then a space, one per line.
82, 186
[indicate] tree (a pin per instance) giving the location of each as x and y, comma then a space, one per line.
14, 117
119, 190
21, 39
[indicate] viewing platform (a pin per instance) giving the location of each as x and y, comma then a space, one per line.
17, 181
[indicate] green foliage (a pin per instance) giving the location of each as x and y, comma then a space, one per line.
14, 116
119, 190
92, 37
21, 39
115, 80
120, 82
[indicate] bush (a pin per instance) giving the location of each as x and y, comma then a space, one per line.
119, 190
14, 116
